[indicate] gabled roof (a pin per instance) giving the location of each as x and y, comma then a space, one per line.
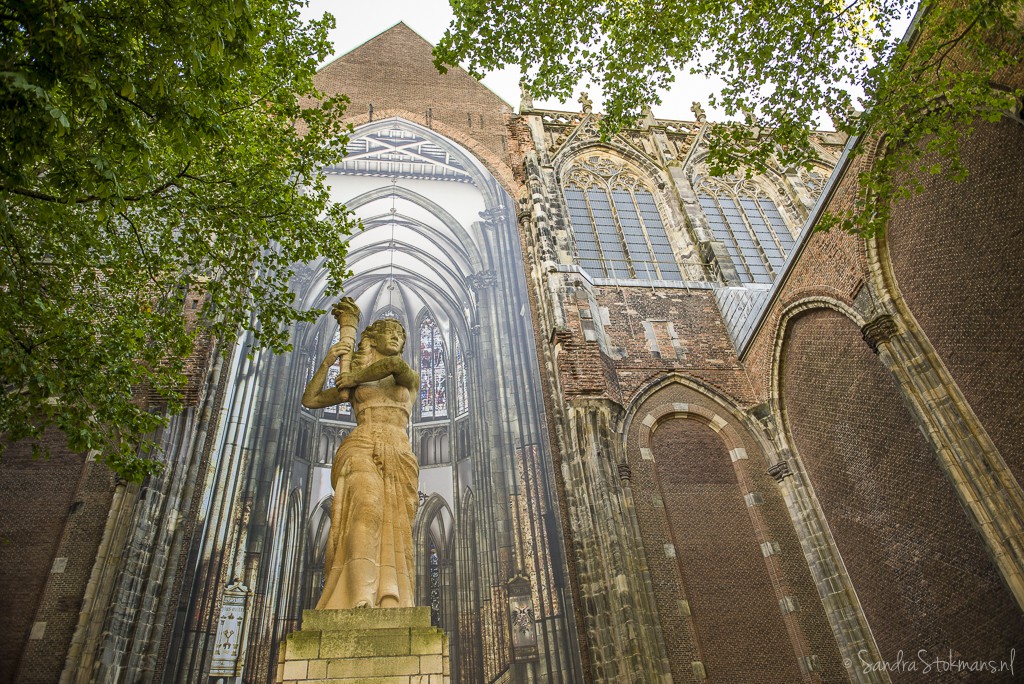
402, 59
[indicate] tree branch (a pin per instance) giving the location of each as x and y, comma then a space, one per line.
142, 248
34, 194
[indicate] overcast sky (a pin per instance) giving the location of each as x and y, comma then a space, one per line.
360, 21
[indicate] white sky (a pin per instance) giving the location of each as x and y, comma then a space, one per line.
358, 22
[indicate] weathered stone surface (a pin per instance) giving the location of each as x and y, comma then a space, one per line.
303, 645
385, 646
365, 642
344, 620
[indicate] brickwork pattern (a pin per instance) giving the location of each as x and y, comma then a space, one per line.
35, 501
704, 350
922, 575
52, 514
739, 625
958, 257
665, 493
395, 70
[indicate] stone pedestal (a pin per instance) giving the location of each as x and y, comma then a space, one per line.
365, 646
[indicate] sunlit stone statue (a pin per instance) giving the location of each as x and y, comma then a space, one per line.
369, 558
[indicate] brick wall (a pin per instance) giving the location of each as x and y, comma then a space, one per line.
958, 257
690, 496
921, 572
739, 626
704, 350
52, 514
832, 265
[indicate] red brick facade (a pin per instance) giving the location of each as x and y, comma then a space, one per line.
922, 575
958, 258
51, 522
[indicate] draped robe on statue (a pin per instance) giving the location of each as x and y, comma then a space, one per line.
369, 559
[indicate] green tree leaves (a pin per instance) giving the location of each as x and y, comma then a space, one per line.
152, 152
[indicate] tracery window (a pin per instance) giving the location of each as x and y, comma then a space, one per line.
744, 219
813, 180
616, 223
433, 374
461, 393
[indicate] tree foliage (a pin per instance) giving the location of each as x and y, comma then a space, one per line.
151, 151
781, 63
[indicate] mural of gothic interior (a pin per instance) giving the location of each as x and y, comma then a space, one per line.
437, 251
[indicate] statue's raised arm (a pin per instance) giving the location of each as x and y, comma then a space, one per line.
316, 395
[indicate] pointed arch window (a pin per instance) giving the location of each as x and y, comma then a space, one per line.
433, 373
617, 225
434, 570
744, 219
461, 393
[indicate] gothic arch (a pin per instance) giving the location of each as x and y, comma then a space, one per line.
473, 283
497, 167
709, 485
788, 314
727, 406
433, 534
610, 187
429, 380
641, 165
466, 241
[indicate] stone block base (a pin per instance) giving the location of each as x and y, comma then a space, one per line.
365, 646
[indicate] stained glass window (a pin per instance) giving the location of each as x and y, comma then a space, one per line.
752, 229
617, 225
435, 587
462, 395
433, 374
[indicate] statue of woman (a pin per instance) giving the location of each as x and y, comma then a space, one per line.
369, 559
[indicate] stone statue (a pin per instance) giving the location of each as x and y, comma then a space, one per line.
369, 559
525, 98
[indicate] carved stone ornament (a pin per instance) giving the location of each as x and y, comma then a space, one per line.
625, 472
482, 280
525, 97
230, 628
586, 103
780, 471
879, 330
522, 619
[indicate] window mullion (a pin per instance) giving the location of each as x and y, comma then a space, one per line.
618, 226
647, 233
732, 234
753, 234
597, 235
